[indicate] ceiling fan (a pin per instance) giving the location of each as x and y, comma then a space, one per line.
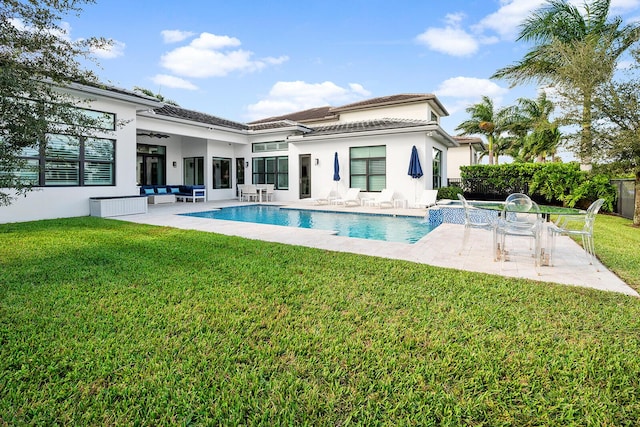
153, 135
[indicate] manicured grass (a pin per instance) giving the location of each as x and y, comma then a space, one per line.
111, 323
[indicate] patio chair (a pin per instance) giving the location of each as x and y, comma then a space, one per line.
269, 192
521, 217
478, 219
349, 199
576, 225
250, 192
428, 198
384, 200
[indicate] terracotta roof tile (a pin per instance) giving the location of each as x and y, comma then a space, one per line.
366, 125
181, 113
299, 116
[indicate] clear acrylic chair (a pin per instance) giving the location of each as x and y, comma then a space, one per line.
521, 217
576, 225
478, 219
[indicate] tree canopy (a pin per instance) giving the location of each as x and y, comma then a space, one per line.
575, 49
37, 61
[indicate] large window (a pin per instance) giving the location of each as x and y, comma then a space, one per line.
66, 160
368, 168
271, 170
221, 172
193, 170
437, 168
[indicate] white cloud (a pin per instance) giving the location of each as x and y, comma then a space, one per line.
618, 6
173, 82
507, 19
174, 36
205, 57
464, 87
288, 97
451, 39
114, 50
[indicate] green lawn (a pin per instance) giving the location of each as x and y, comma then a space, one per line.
104, 322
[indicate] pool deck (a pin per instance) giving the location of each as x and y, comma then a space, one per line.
438, 248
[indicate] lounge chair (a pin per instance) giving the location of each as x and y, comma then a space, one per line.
350, 199
428, 199
384, 200
332, 195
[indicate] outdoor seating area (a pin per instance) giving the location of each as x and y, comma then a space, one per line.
172, 193
520, 218
256, 193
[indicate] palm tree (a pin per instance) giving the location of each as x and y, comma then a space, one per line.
485, 120
538, 137
562, 35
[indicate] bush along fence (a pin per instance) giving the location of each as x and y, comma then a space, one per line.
549, 183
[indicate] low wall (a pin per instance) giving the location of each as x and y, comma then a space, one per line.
117, 206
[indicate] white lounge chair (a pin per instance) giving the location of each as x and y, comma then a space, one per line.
384, 200
332, 195
428, 199
350, 199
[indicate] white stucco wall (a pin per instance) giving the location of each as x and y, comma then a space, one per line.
60, 202
417, 111
398, 152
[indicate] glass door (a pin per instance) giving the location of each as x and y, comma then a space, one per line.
305, 176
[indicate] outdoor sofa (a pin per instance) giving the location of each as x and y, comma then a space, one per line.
163, 193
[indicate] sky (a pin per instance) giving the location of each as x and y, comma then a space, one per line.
248, 60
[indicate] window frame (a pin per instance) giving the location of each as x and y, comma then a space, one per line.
42, 157
261, 174
368, 174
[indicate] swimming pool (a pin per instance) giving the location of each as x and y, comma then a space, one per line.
389, 228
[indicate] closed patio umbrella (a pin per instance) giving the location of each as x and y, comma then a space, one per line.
415, 170
336, 171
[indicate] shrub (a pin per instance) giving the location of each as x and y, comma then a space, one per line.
594, 188
449, 192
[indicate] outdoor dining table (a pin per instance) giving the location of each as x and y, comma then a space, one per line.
546, 211
261, 189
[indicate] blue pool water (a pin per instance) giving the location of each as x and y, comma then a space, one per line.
376, 227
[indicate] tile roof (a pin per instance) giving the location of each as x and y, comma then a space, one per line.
181, 113
366, 125
386, 100
472, 140
300, 116
273, 125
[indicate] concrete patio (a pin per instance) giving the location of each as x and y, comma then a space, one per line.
438, 248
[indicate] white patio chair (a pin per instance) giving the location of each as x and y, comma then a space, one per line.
384, 199
350, 199
250, 192
331, 195
269, 192
428, 198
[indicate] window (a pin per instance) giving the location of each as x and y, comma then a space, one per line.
437, 168
70, 161
193, 170
368, 168
221, 172
260, 147
271, 170
434, 117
